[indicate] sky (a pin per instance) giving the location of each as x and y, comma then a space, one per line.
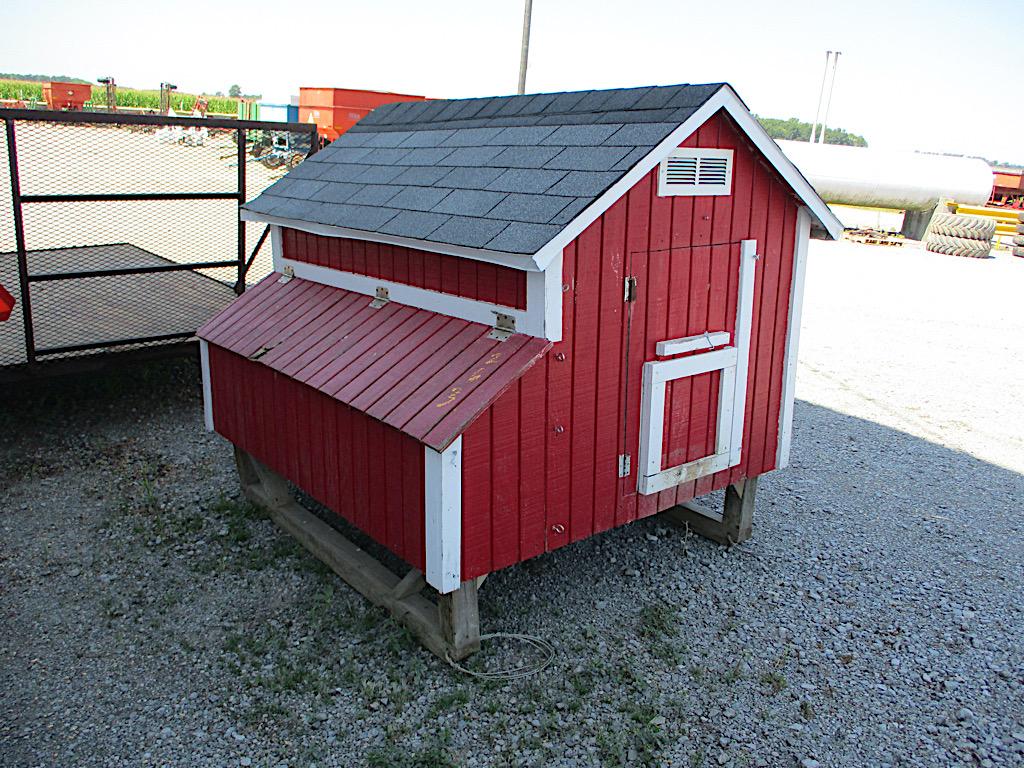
921, 75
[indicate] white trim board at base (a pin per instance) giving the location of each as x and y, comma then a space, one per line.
443, 516
204, 365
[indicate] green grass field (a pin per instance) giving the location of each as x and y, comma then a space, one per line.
27, 90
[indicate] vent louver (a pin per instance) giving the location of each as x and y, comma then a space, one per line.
696, 172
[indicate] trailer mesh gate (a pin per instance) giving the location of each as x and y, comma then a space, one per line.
122, 232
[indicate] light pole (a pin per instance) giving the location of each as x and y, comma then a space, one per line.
821, 95
828, 104
525, 53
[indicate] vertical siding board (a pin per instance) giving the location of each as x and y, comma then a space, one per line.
608, 414
704, 206
467, 278
476, 498
559, 412
391, 475
374, 480
590, 270
412, 502
532, 464
450, 275
432, 271
505, 439
487, 282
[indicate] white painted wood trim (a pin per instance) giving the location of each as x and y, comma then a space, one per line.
706, 340
514, 260
443, 521
276, 247
733, 362
796, 308
204, 365
726, 99
530, 321
665, 189
544, 293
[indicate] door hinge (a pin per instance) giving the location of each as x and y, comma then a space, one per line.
629, 294
623, 465
286, 274
504, 326
382, 298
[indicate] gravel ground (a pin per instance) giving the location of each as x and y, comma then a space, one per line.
150, 617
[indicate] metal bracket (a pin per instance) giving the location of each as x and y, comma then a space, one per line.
286, 274
629, 292
624, 463
382, 298
504, 327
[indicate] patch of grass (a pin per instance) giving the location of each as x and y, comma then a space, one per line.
774, 680
659, 621
433, 755
806, 710
446, 701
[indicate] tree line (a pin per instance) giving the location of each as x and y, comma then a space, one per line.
798, 130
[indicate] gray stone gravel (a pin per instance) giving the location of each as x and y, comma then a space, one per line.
151, 618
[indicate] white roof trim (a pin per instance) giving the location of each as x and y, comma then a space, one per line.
725, 98
521, 261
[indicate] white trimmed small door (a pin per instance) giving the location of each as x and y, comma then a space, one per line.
690, 320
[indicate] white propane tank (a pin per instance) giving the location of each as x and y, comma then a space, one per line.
880, 178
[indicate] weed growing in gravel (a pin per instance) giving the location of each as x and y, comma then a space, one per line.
433, 755
447, 701
659, 620
774, 680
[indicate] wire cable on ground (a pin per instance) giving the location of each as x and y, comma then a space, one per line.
516, 673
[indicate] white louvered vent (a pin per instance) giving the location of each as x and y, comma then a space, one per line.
696, 172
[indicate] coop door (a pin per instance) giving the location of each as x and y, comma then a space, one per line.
715, 354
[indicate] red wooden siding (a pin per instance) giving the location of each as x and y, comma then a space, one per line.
569, 417
369, 473
423, 269
425, 374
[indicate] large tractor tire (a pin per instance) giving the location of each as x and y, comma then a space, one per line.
957, 246
1020, 229
1018, 251
1018, 239
967, 227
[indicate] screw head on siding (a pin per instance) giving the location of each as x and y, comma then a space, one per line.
558, 528
559, 429
560, 356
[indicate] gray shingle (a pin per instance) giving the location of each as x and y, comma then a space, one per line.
469, 178
656, 98
337, 192
534, 208
298, 188
334, 154
414, 224
387, 139
470, 107
693, 96
352, 138
374, 194
426, 156
469, 202
571, 211
263, 204
591, 102
418, 198
563, 102
491, 108
634, 157
473, 233
524, 157
527, 180
471, 156
339, 172
640, 134
384, 156
307, 170
624, 98
421, 175
522, 136
290, 208
380, 174
587, 158
470, 137
583, 183
426, 138
523, 238
578, 135
369, 218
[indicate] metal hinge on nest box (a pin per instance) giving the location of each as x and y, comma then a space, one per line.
623, 465
382, 298
629, 294
504, 326
286, 274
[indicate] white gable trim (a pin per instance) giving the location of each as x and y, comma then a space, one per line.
725, 98
796, 307
515, 260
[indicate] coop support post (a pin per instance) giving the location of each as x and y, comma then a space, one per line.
733, 525
449, 628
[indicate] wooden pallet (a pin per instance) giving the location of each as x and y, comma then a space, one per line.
873, 237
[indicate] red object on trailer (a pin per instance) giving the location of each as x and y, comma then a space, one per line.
497, 326
335, 110
7, 303
67, 96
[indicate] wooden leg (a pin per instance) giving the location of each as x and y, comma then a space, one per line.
734, 525
460, 620
449, 628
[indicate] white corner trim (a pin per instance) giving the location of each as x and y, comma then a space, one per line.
514, 260
276, 247
529, 321
204, 364
725, 98
544, 296
733, 362
796, 307
443, 521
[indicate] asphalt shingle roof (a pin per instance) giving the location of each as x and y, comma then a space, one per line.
505, 173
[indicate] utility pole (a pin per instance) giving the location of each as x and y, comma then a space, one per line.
828, 104
525, 53
821, 95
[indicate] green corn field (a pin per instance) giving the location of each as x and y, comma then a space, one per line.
28, 91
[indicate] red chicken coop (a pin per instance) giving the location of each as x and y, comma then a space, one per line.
500, 325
